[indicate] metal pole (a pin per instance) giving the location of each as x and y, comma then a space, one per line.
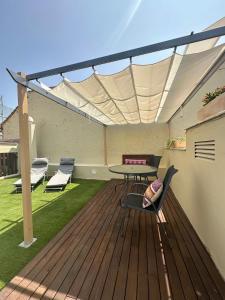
184, 40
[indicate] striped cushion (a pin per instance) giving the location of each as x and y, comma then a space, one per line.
129, 161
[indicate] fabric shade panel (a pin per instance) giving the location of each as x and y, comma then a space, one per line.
139, 93
131, 96
192, 69
143, 93
207, 44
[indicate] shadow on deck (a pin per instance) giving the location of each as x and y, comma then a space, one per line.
98, 256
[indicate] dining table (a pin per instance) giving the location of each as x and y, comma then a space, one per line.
128, 171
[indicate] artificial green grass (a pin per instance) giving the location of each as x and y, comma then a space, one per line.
51, 212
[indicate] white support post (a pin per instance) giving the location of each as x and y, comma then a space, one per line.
25, 166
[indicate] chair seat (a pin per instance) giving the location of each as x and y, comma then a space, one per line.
135, 201
34, 179
59, 179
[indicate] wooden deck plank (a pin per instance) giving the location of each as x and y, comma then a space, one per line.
34, 267
120, 286
131, 289
59, 287
101, 275
98, 247
191, 281
109, 286
49, 268
208, 282
153, 279
161, 266
109, 240
142, 289
101, 255
218, 280
43, 256
172, 272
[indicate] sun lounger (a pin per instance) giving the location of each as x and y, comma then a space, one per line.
62, 176
38, 172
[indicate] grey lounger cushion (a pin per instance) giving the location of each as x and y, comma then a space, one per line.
38, 170
63, 174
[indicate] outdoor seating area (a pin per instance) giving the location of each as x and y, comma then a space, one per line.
62, 176
38, 173
112, 183
99, 256
39, 170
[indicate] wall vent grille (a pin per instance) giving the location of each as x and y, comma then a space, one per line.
205, 149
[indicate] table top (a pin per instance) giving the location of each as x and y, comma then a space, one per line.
133, 169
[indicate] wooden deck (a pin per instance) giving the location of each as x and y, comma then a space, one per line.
97, 256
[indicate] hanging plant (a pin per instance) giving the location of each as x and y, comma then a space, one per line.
211, 107
178, 142
212, 95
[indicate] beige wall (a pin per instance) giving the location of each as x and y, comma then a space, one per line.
199, 184
135, 139
200, 189
11, 131
11, 127
62, 133
57, 132
188, 115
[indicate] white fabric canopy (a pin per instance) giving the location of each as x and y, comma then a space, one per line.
142, 93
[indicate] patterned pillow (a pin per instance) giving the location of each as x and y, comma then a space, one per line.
129, 161
152, 193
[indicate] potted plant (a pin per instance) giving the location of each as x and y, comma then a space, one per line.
179, 142
213, 103
170, 144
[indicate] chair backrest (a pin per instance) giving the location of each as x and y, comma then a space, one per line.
39, 165
67, 165
155, 161
166, 183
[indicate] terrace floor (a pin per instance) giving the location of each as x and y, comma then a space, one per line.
97, 256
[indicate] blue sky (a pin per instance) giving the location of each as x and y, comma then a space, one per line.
38, 35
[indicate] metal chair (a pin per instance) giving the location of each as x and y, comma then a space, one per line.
134, 200
154, 162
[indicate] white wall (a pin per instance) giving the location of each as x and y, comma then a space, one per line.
200, 189
63, 133
188, 115
57, 131
199, 184
135, 139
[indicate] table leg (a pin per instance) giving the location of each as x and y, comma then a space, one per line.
118, 184
126, 184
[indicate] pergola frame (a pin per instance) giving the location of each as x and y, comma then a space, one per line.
24, 82
184, 40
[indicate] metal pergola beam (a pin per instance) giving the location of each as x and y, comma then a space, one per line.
23, 81
184, 40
